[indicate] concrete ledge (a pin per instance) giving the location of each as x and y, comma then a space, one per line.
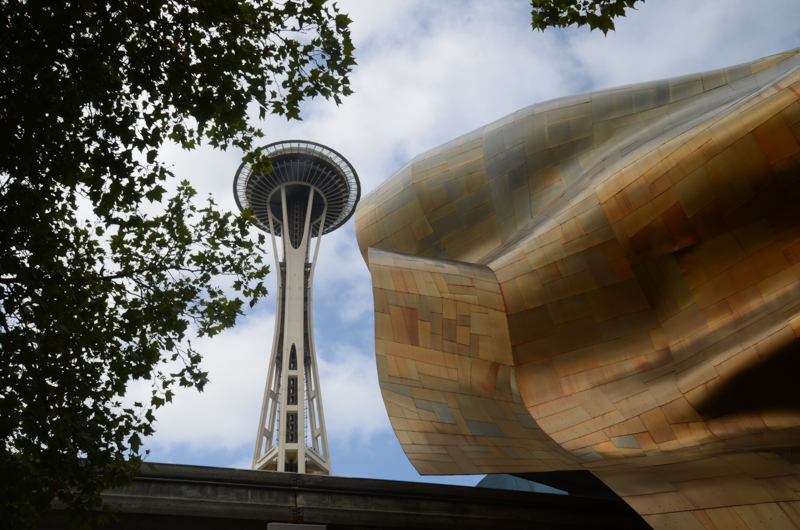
176, 496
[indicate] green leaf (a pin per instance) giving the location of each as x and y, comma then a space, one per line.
598, 14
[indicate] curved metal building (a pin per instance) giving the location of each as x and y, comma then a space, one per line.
310, 191
610, 282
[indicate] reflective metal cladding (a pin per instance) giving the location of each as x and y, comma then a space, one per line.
608, 281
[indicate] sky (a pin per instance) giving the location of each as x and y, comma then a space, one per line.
428, 72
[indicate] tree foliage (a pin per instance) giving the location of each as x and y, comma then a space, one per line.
104, 274
598, 14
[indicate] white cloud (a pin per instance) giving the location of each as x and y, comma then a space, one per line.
666, 39
352, 398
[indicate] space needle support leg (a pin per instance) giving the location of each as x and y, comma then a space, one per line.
319, 436
265, 437
299, 343
287, 335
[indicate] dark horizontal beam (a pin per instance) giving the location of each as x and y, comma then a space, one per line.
175, 496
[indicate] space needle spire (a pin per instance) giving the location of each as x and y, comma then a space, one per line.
311, 190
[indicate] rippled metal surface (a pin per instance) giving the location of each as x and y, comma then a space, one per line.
607, 281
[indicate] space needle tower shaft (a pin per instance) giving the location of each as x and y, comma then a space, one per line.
311, 190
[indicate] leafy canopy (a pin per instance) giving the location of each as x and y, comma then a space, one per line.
599, 14
104, 274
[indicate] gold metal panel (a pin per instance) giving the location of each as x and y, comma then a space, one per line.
461, 391
626, 295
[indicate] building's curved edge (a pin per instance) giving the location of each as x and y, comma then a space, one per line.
471, 196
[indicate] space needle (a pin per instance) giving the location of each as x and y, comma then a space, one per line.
311, 190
